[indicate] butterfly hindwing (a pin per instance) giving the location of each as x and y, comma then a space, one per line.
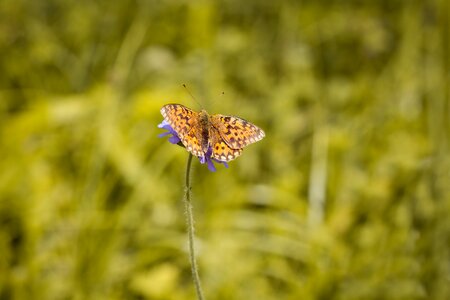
220, 150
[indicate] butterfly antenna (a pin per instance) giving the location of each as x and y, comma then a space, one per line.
192, 96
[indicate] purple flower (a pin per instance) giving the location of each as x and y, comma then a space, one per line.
209, 160
175, 139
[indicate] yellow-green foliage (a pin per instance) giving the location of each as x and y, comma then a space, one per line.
347, 197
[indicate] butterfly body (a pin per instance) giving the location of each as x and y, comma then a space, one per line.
205, 129
218, 136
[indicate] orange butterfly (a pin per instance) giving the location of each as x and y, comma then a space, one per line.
210, 136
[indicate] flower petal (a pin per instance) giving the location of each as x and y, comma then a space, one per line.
163, 134
162, 124
174, 139
211, 165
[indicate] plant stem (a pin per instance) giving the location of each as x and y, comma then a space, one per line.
190, 228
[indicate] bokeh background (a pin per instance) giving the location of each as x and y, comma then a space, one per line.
347, 197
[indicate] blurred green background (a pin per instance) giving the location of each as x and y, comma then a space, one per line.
347, 197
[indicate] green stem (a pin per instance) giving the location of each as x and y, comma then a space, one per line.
190, 228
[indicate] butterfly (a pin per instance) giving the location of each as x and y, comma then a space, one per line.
218, 136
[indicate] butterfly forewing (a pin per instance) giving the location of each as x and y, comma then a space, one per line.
236, 132
185, 122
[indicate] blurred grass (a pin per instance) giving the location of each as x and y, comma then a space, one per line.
347, 197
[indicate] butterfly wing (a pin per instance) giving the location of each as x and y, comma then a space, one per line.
236, 132
185, 123
220, 150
